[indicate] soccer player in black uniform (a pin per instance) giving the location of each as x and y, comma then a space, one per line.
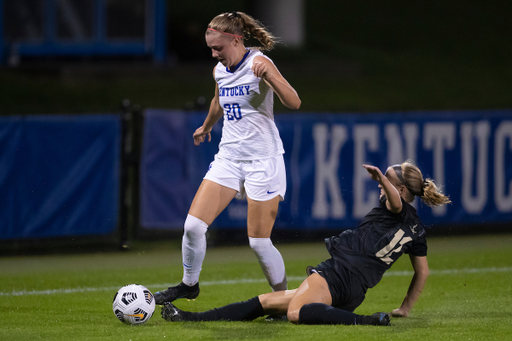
359, 259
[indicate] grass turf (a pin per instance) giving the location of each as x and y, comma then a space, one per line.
61, 297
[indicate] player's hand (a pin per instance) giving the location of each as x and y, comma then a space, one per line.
260, 69
200, 135
399, 313
374, 172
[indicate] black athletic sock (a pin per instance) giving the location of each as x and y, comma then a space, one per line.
319, 313
240, 311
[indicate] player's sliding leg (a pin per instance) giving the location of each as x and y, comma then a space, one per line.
270, 303
319, 313
312, 301
274, 303
240, 311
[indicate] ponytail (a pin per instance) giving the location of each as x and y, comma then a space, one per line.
426, 189
432, 195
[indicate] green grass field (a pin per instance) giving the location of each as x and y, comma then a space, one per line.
68, 297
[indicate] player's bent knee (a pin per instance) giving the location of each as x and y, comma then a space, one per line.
265, 302
194, 227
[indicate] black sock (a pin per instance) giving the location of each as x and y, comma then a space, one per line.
319, 313
240, 311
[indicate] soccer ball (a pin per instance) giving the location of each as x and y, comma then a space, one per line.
133, 304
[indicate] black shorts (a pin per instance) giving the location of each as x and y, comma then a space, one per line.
346, 289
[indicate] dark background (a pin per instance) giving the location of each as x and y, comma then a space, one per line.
358, 56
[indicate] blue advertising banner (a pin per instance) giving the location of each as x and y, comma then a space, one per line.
467, 153
59, 175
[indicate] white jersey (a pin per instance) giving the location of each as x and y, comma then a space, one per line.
249, 131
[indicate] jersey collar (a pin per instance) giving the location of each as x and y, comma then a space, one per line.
234, 68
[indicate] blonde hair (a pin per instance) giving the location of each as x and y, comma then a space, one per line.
426, 189
241, 24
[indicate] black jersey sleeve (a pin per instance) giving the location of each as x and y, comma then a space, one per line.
417, 232
419, 247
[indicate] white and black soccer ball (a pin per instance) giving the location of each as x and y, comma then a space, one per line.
133, 304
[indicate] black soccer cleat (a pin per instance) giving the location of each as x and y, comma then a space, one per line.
377, 319
171, 313
180, 291
309, 270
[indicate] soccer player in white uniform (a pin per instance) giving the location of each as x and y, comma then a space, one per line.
250, 158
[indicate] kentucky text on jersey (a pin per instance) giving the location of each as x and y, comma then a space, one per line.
235, 91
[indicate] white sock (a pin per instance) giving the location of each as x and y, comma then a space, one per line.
193, 249
271, 262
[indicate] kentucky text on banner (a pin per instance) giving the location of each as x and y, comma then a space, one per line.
468, 153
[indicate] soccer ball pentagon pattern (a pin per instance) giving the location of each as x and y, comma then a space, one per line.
133, 304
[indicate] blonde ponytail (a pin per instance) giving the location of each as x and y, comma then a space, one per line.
426, 189
432, 195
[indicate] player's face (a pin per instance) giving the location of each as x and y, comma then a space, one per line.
223, 48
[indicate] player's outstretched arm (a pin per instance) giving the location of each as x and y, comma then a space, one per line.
418, 281
394, 203
266, 70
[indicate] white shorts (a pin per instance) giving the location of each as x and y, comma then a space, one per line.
262, 180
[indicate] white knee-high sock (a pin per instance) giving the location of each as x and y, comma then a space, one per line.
271, 262
193, 249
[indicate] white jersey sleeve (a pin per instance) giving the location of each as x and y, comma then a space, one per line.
249, 131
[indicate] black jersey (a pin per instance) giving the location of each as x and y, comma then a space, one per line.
380, 239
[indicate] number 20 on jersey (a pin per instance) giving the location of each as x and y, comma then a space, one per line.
233, 111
